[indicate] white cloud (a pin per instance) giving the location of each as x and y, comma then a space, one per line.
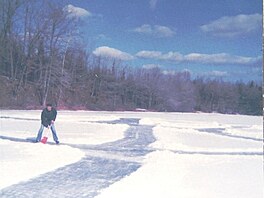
156, 31
108, 52
163, 31
149, 54
215, 59
230, 26
145, 29
172, 56
77, 11
221, 58
153, 4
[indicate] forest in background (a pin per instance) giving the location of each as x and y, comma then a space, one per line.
43, 59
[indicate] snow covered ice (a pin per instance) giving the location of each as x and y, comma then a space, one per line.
132, 154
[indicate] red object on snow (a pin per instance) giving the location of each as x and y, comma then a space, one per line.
44, 140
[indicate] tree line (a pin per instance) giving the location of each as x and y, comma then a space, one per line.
43, 59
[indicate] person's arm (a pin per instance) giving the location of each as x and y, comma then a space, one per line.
54, 115
44, 119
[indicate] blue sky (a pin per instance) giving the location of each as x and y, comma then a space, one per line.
209, 38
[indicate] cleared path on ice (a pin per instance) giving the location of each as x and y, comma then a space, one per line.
103, 165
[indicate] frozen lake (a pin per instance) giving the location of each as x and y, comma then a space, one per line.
132, 154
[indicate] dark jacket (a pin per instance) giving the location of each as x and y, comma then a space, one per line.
47, 116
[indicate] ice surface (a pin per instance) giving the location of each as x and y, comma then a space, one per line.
133, 154
187, 139
198, 155
22, 161
72, 127
170, 175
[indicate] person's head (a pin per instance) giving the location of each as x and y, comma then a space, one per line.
49, 106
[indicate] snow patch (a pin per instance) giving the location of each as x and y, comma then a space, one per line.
165, 174
186, 139
23, 161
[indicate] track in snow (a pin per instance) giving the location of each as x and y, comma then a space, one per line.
103, 165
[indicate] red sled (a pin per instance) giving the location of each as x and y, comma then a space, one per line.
44, 140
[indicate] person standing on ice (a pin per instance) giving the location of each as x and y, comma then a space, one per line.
48, 117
